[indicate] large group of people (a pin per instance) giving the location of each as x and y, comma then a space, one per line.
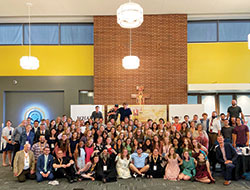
80, 150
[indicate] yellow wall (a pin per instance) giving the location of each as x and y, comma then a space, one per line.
218, 63
54, 60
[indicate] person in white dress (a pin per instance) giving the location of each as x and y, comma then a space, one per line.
123, 161
80, 155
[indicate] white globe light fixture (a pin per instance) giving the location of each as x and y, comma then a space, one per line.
130, 15
29, 62
131, 62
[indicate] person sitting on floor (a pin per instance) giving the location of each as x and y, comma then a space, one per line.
64, 167
24, 164
226, 155
105, 169
138, 165
89, 170
156, 165
44, 166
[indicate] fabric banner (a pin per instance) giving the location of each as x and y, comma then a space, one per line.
145, 112
83, 112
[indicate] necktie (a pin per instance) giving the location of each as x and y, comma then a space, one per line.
45, 163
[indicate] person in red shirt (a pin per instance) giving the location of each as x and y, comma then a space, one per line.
177, 124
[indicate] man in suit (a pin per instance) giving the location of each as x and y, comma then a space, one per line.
27, 137
226, 156
42, 132
24, 164
44, 166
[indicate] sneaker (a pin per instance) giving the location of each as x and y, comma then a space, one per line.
134, 175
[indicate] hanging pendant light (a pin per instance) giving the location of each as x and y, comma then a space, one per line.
131, 61
130, 15
29, 62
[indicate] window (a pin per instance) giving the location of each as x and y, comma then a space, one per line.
233, 30
77, 34
244, 102
192, 99
202, 31
209, 103
11, 34
225, 102
86, 97
42, 34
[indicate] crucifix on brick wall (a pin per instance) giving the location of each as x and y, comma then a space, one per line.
140, 97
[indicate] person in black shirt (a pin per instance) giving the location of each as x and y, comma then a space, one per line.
234, 111
124, 112
156, 165
96, 114
64, 167
105, 169
113, 113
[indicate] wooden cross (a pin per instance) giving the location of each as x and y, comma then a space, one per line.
140, 97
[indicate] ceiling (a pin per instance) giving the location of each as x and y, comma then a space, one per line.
66, 8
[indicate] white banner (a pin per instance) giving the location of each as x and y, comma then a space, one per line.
83, 112
185, 109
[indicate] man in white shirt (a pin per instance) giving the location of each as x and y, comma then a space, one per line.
214, 128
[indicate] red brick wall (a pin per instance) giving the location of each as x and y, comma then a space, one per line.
160, 43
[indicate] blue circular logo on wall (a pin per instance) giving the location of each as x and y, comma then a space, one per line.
34, 113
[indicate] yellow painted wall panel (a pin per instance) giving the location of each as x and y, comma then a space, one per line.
218, 63
54, 60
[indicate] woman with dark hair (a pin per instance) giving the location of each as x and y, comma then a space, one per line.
157, 144
156, 165
147, 146
80, 155
184, 129
52, 141
72, 144
203, 173
177, 148
154, 128
112, 134
139, 135
52, 124
123, 161
63, 145
118, 146
135, 145
178, 136
188, 167
89, 170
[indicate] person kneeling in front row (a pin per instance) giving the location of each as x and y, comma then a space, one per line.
64, 167
44, 166
24, 164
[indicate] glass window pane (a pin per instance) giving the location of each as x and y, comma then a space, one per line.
244, 102
202, 32
86, 97
77, 34
42, 34
234, 30
225, 102
192, 99
11, 34
209, 104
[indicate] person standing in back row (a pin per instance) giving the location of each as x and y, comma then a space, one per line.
96, 114
234, 111
124, 112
